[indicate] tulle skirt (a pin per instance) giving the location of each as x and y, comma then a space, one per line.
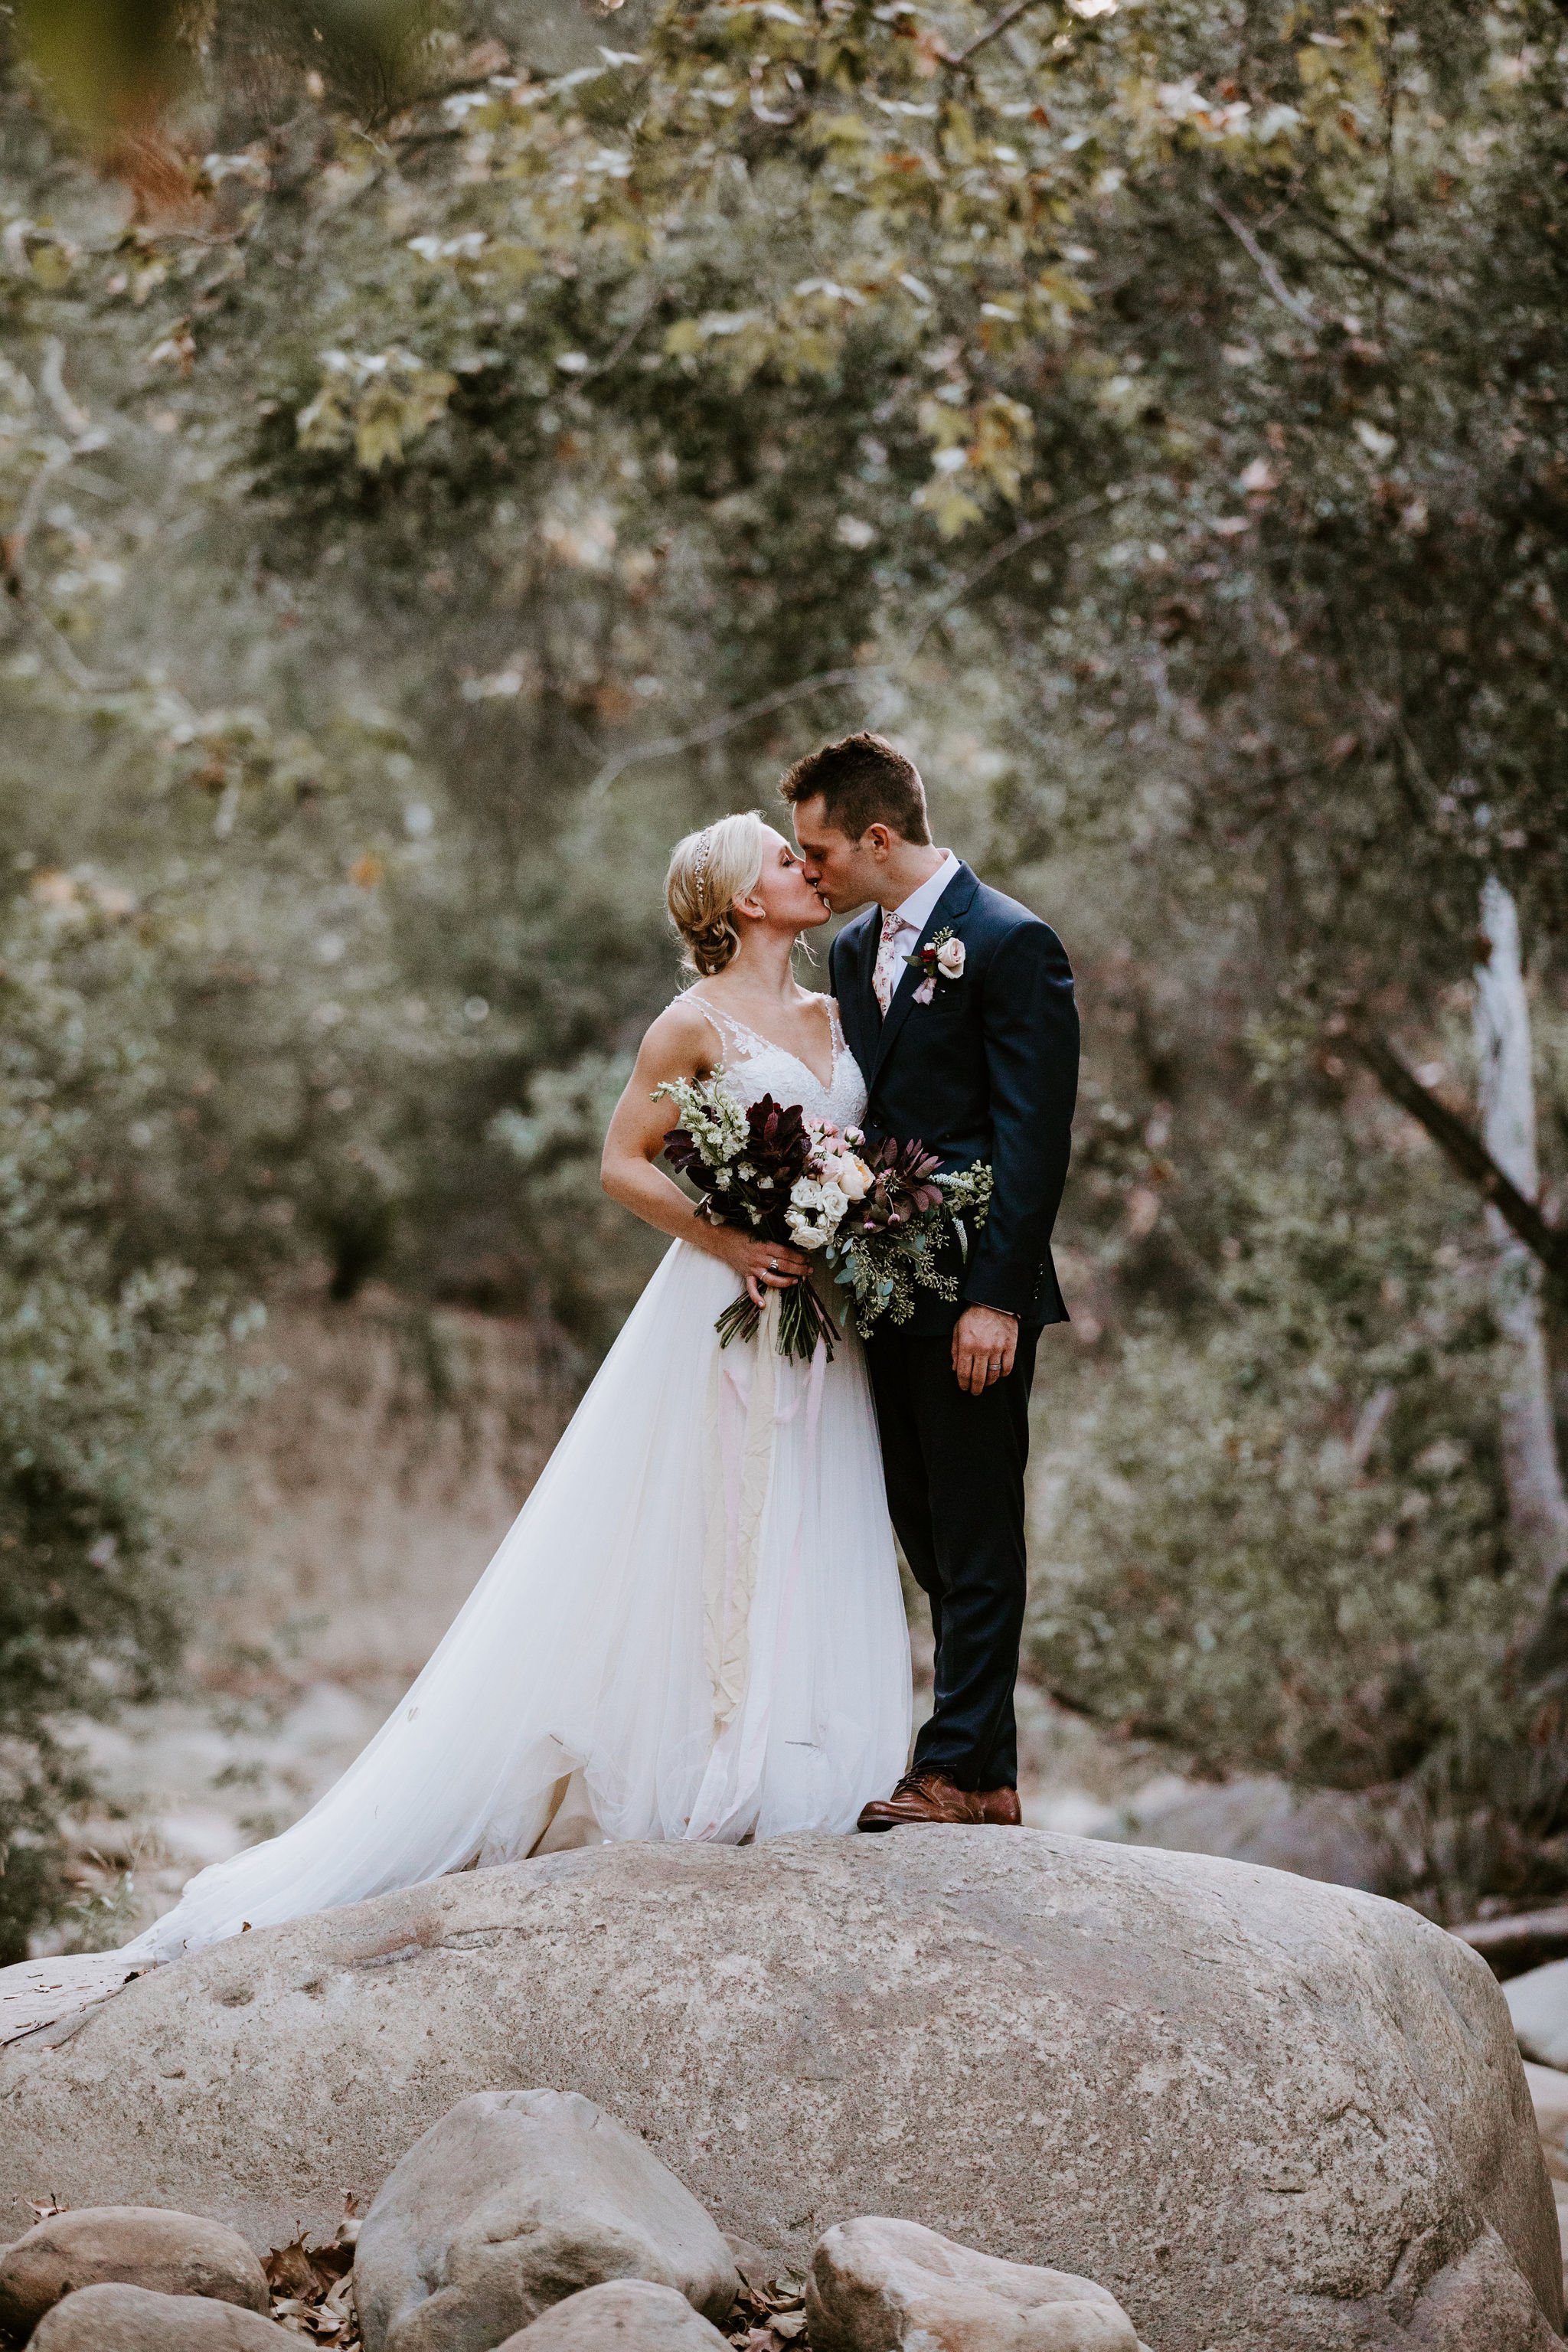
693, 1629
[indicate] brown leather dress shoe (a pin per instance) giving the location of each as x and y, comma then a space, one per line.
1000, 1807
922, 1796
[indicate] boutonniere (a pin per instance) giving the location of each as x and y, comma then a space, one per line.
941, 958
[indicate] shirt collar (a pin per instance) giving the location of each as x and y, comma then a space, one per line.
916, 910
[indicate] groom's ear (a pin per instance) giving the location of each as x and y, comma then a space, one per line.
878, 838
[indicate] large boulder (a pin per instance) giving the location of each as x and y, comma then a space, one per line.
890, 2286
627, 2316
122, 2318
514, 2200
145, 2246
1257, 2109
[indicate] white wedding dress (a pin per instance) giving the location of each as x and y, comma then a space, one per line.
693, 1628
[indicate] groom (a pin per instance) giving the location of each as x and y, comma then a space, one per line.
958, 1005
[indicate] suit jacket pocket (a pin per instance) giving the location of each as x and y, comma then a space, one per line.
946, 1013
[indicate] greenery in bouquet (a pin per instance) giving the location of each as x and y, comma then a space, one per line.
889, 1240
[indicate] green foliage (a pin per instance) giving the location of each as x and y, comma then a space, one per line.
592, 1253
1284, 1548
107, 1372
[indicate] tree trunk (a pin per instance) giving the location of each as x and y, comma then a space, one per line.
1537, 1503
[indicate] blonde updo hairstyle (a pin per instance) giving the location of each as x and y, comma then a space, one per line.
707, 872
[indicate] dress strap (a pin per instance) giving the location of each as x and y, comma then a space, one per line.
730, 1030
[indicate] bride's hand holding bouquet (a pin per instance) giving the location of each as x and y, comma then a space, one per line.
745, 1164
763, 1265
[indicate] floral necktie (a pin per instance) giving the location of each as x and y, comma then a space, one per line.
885, 978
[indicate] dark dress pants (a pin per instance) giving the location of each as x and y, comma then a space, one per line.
955, 1466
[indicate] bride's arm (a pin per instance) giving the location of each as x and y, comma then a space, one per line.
680, 1045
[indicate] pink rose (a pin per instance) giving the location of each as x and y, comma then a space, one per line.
950, 958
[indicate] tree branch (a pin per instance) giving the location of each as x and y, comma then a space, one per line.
1025, 536
1266, 268
669, 747
623, 342
1370, 262
992, 31
883, 674
1460, 1144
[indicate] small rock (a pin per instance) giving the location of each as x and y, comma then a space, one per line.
892, 2287
625, 2315
135, 2245
758, 2269
120, 2318
513, 2201
1538, 2004
1549, 2099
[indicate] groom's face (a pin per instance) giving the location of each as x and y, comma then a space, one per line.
846, 873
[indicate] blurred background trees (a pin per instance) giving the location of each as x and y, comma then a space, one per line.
449, 452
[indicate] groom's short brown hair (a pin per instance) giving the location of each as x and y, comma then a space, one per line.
863, 782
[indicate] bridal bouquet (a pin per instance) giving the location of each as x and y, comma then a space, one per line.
878, 1214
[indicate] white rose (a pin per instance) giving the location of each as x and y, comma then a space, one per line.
950, 958
804, 1234
855, 1179
805, 1194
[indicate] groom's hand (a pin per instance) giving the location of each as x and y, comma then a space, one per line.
985, 1342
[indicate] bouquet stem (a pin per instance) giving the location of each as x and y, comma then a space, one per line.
803, 1321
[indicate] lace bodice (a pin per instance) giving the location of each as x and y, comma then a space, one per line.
753, 1066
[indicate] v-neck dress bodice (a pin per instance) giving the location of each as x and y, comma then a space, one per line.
755, 1066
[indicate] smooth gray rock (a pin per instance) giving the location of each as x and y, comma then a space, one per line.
513, 2201
1322, 1833
119, 2318
878, 2285
1538, 2004
145, 2246
1259, 2110
1549, 2098
627, 2316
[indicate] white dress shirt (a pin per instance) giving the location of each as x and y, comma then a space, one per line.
903, 926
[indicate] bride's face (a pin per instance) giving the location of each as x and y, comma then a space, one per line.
782, 896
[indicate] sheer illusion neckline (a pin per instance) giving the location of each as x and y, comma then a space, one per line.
730, 1027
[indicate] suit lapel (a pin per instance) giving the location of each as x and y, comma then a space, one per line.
954, 902
858, 1008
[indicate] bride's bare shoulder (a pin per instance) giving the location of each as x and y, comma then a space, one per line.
682, 1038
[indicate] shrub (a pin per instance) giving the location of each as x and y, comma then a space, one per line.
107, 1374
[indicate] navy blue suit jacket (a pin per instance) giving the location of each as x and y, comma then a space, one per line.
987, 1070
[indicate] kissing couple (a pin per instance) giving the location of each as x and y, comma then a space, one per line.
694, 1628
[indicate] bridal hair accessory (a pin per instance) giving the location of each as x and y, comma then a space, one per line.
709, 872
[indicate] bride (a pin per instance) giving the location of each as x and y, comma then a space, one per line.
693, 1628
